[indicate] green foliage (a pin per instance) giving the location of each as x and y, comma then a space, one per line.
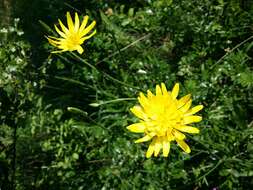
14, 94
71, 111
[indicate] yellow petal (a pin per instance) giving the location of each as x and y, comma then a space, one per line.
166, 148
158, 90
150, 94
63, 27
158, 146
191, 119
169, 136
77, 22
52, 37
188, 129
151, 149
84, 23
79, 49
184, 146
53, 42
59, 51
164, 90
87, 37
59, 32
178, 135
186, 107
182, 101
70, 22
175, 91
194, 110
88, 29
137, 127
137, 110
144, 139
143, 100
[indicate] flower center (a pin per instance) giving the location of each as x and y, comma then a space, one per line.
73, 39
164, 119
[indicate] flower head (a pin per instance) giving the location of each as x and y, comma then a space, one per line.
164, 118
73, 36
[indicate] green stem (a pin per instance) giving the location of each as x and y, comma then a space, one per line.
96, 104
210, 171
74, 82
105, 74
234, 48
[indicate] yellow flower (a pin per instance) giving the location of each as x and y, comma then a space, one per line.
163, 118
73, 36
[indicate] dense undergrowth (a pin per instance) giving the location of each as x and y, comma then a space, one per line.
58, 128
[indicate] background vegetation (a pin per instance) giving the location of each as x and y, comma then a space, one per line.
57, 128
